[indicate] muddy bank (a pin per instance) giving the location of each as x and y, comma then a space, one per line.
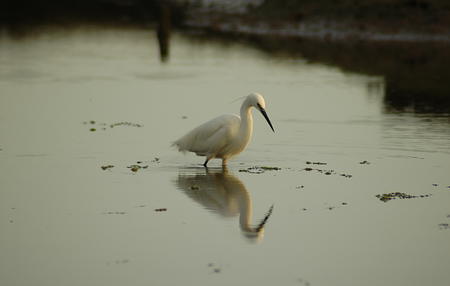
368, 20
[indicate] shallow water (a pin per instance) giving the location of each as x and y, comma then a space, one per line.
167, 220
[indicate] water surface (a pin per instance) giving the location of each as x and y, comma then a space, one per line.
66, 221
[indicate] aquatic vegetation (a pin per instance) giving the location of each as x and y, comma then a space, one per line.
334, 206
139, 165
135, 167
398, 195
94, 125
265, 168
327, 172
107, 167
315, 163
259, 170
115, 213
444, 226
125, 124
215, 269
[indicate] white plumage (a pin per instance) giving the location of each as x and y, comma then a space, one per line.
224, 136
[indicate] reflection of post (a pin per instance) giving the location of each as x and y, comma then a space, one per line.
164, 30
225, 194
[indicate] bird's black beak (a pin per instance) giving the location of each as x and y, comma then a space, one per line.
263, 111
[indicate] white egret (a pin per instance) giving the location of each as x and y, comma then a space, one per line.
224, 136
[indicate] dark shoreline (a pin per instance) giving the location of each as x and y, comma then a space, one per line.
319, 29
365, 20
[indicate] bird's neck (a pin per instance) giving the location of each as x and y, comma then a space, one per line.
246, 127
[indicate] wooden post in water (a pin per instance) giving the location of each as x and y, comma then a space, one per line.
163, 31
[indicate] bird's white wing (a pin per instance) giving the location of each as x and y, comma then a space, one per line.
211, 136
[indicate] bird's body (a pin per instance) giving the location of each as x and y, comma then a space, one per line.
224, 136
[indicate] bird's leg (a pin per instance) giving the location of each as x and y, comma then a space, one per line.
206, 162
224, 162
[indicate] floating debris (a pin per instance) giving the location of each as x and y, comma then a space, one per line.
300, 187
303, 282
141, 206
122, 261
216, 269
327, 172
435, 185
115, 213
398, 195
134, 168
161, 210
315, 163
336, 206
125, 124
265, 168
156, 160
104, 125
444, 226
195, 187
365, 162
106, 167
259, 170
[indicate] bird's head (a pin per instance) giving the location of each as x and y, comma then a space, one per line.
257, 101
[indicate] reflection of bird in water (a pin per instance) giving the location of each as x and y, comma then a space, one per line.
221, 192
224, 136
